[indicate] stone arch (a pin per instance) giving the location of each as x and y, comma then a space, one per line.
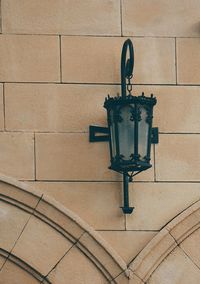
48, 242
172, 255
15, 270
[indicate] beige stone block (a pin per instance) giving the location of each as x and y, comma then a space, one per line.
127, 243
176, 268
177, 108
76, 268
1, 108
16, 194
184, 228
190, 247
2, 261
135, 280
197, 211
17, 155
72, 157
62, 17
28, 58
97, 60
153, 254
41, 246
10, 229
14, 274
55, 107
185, 224
98, 252
122, 280
177, 157
157, 203
161, 18
96, 203
188, 60
58, 219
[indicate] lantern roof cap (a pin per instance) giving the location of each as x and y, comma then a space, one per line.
119, 100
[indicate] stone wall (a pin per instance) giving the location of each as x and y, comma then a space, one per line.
58, 61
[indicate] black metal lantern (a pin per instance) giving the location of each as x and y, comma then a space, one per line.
130, 125
130, 131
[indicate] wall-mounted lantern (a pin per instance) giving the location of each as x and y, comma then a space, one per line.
130, 133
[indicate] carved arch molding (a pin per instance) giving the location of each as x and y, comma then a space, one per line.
43, 242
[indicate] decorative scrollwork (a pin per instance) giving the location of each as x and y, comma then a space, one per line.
135, 157
119, 158
135, 114
149, 114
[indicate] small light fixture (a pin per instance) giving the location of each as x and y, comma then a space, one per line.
130, 133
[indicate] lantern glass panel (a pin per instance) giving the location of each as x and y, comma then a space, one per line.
126, 133
143, 131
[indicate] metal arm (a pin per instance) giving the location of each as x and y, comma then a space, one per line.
126, 65
126, 208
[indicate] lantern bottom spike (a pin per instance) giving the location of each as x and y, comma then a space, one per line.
127, 210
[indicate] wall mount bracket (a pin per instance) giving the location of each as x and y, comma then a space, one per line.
95, 134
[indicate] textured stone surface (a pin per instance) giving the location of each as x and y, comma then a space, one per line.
177, 158
127, 243
98, 252
98, 60
153, 254
157, 203
48, 107
97, 203
44, 237
2, 261
122, 280
13, 191
188, 59
185, 223
177, 108
47, 42
161, 18
59, 219
54, 107
13, 274
62, 17
1, 108
72, 157
28, 58
162, 248
9, 228
17, 155
76, 268
190, 247
41, 246
175, 269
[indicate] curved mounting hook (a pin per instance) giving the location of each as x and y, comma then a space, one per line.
126, 65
